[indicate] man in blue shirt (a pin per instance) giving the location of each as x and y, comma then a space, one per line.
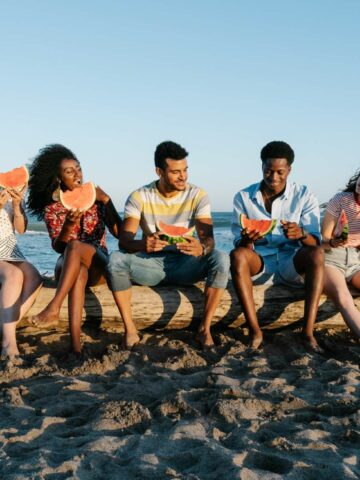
291, 253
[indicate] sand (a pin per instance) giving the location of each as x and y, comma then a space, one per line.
167, 410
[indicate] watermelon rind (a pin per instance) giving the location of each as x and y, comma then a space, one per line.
15, 178
80, 203
256, 224
173, 239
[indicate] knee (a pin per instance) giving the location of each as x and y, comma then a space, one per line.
73, 246
116, 263
83, 274
238, 258
220, 261
12, 275
316, 256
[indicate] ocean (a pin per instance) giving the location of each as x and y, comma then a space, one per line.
35, 243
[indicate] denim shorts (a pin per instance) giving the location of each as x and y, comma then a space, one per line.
279, 269
344, 259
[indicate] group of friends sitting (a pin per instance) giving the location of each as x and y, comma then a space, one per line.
297, 252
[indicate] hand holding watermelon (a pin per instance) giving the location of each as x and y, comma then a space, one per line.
341, 231
192, 246
4, 197
153, 243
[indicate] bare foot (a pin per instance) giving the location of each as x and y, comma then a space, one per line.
311, 343
9, 352
46, 318
205, 339
256, 341
129, 340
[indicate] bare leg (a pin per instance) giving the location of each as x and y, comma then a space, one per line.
77, 254
75, 305
123, 301
244, 264
310, 261
212, 300
336, 288
20, 283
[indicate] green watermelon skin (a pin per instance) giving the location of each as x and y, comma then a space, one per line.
173, 239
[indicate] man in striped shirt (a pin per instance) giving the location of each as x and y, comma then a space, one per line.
151, 260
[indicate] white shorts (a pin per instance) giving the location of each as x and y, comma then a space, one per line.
279, 269
346, 260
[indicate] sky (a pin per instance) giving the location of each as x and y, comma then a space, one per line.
110, 79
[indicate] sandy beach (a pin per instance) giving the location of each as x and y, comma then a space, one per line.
168, 410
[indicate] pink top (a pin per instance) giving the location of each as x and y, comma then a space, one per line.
90, 230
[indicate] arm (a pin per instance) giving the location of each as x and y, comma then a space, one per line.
127, 242
72, 218
307, 231
112, 219
327, 229
20, 219
242, 237
205, 244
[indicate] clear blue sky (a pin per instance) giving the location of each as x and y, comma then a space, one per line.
111, 79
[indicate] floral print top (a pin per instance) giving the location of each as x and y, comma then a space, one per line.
90, 230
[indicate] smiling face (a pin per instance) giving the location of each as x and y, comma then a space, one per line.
174, 177
70, 173
275, 173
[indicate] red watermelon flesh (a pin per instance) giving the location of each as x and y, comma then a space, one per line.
15, 178
81, 198
342, 227
263, 227
173, 234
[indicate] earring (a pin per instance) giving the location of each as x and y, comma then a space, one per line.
56, 193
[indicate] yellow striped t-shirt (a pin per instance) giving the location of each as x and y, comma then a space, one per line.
149, 206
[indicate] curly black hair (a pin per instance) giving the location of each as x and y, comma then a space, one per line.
351, 184
277, 149
43, 180
166, 150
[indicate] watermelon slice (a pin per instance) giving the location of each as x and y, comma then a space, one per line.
173, 234
263, 227
342, 227
81, 198
16, 178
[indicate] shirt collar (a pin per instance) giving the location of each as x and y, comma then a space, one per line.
256, 193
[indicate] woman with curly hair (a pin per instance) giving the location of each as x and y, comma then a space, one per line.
342, 255
19, 280
78, 236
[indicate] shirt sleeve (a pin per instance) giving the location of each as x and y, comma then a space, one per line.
203, 209
310, 215
334, 205
238, 208
54, 221
133, 206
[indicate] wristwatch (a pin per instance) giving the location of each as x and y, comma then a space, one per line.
304, 234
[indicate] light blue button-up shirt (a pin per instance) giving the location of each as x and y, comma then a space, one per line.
296, 204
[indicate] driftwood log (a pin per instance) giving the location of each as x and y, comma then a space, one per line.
174, 307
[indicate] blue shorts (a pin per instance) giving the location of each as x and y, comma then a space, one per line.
279, 269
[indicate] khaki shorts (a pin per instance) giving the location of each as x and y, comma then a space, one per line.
344, 259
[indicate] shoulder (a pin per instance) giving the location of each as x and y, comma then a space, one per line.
247, 192
143, 191
195, 190
300, 191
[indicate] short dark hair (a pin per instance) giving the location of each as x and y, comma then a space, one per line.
166, 150
277, 149
43, 180
351, 184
